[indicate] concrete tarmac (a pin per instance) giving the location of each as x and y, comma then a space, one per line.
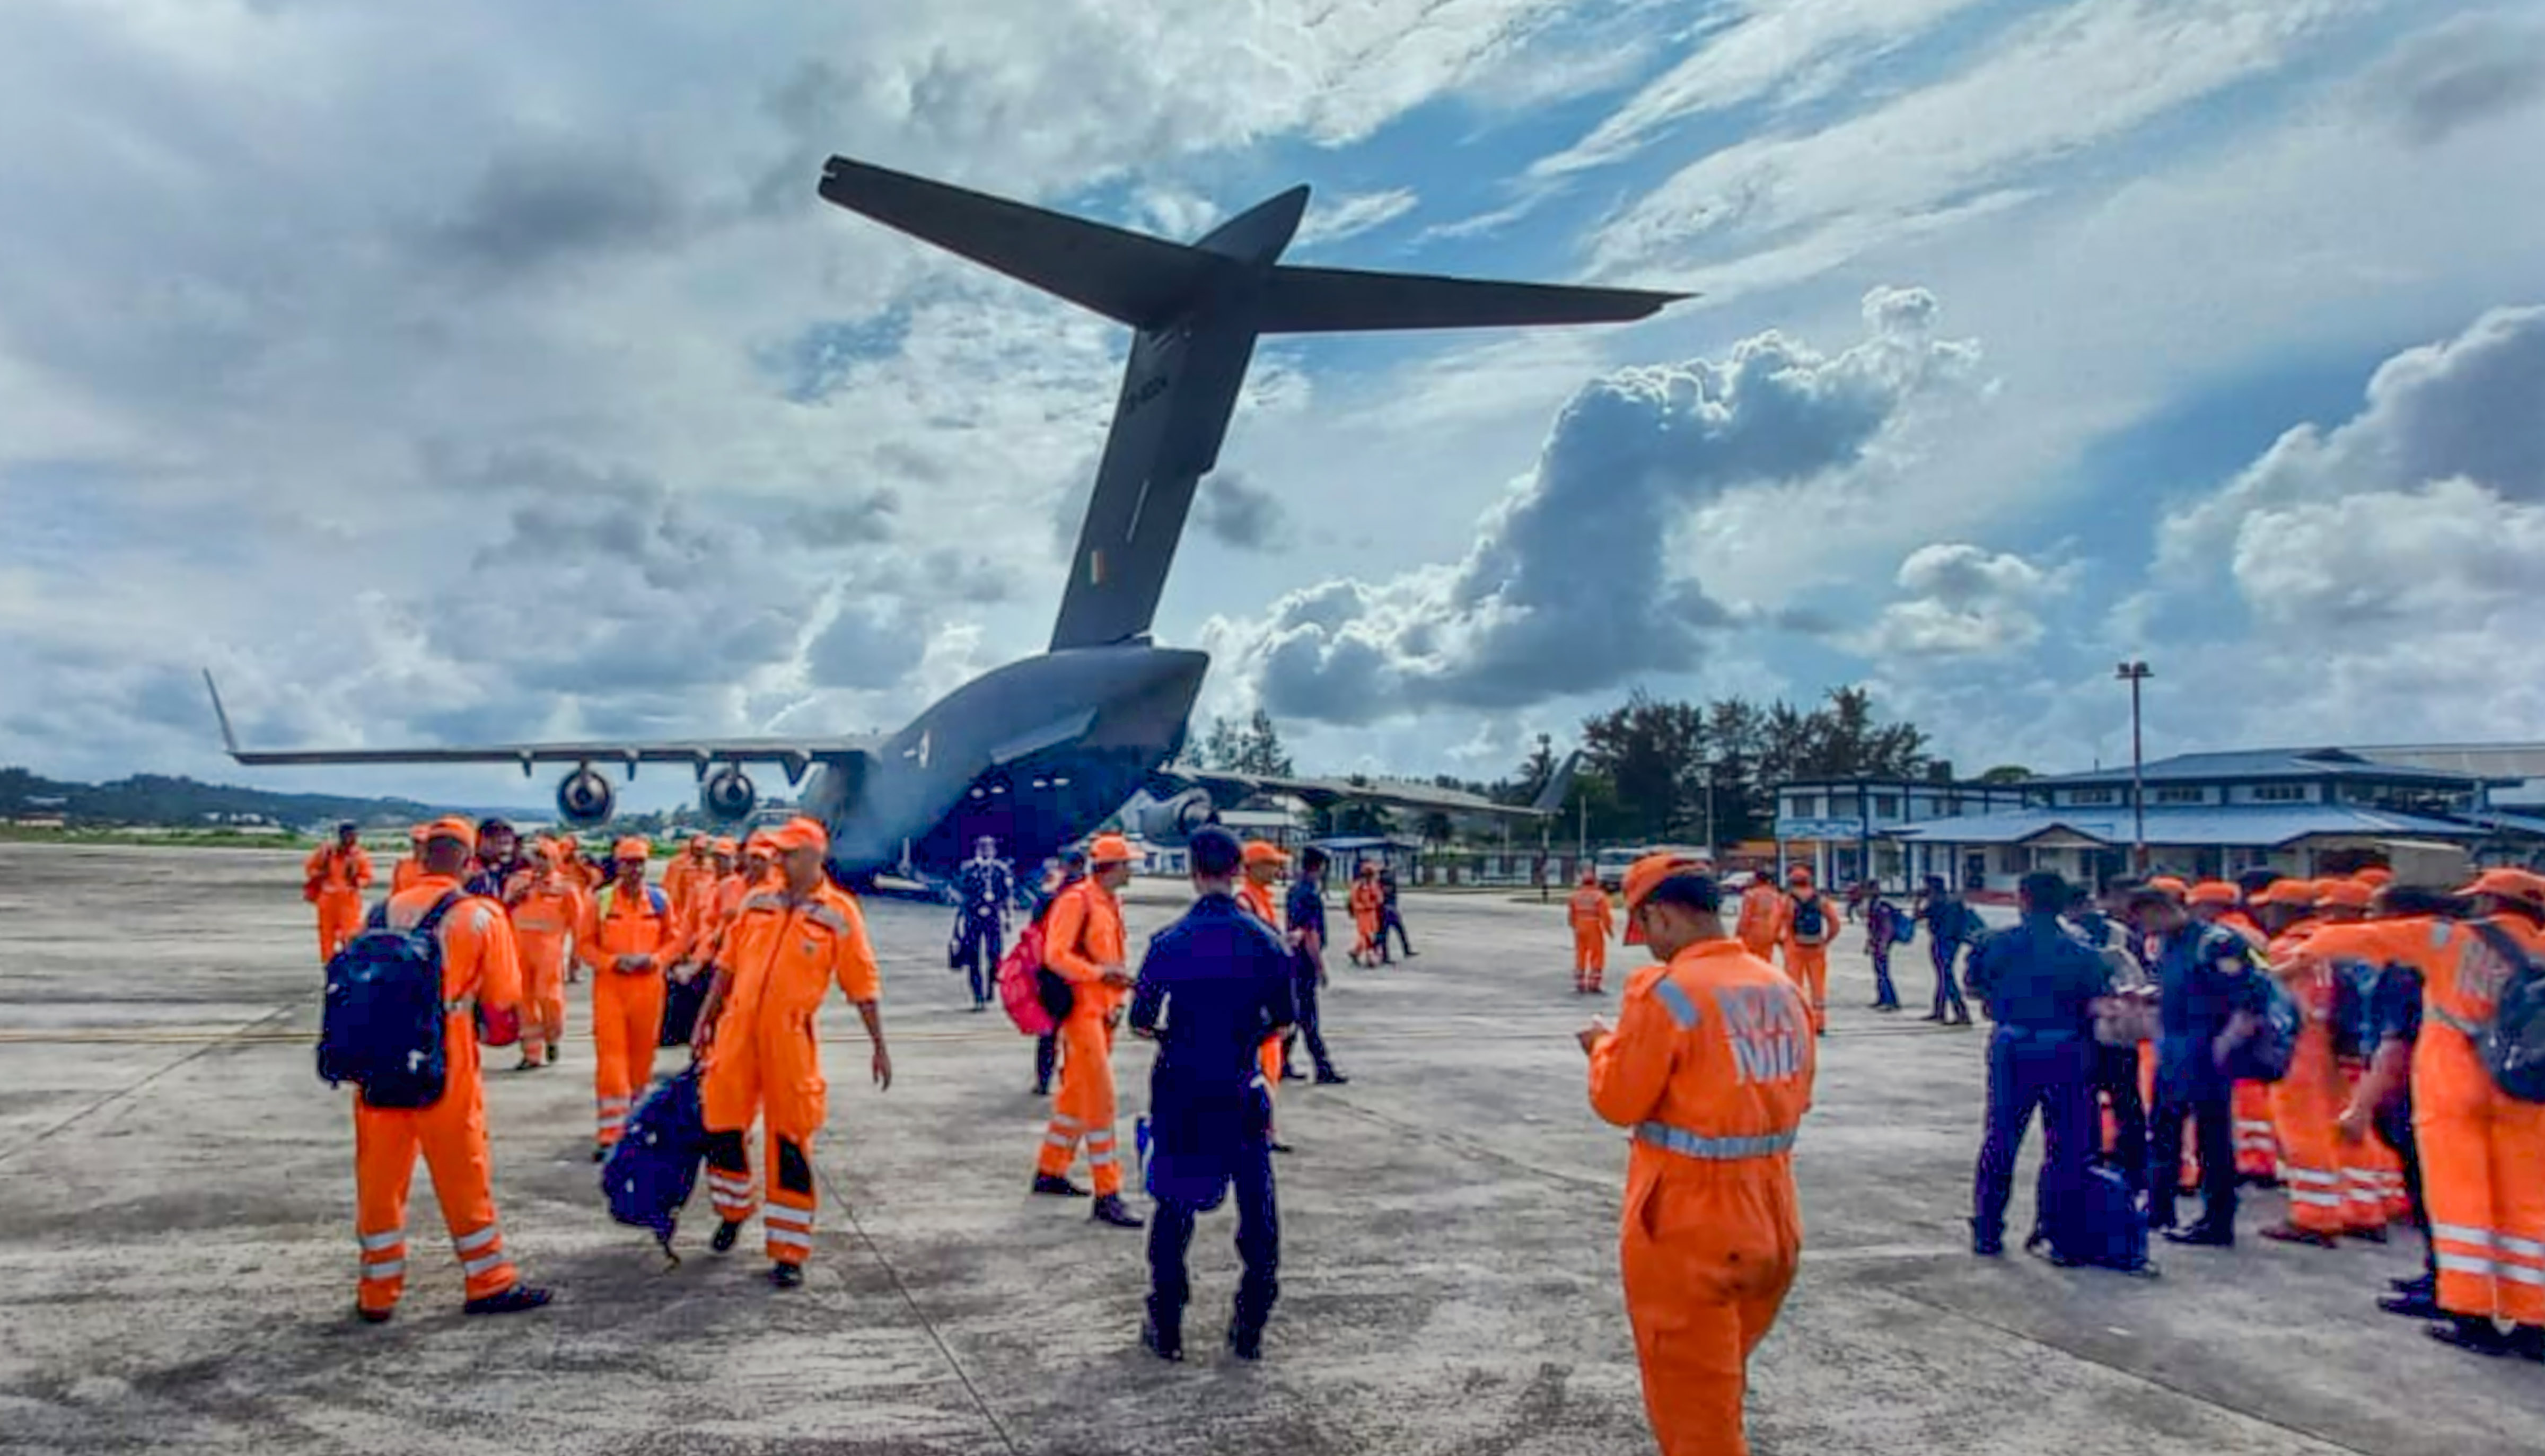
177, 1257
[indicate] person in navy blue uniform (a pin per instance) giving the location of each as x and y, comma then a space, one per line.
1213, 985
2210, 999
1306, 914
983, 886
1949, 923
2039, 984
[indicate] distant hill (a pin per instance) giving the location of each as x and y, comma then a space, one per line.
156, 799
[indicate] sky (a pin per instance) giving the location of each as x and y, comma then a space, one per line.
485, 372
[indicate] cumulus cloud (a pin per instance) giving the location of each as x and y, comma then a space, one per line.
2472, 406
1963, 601
1571, 585
1236, 512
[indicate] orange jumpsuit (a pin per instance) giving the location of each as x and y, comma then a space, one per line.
1365, 902
1711, 1065
546, 916
405, 874
1259, 899
1592, 919
333, 879
477, 965
2480, 1148
2307, 1101
626, 1006
680, 876
1762, 920
1082, 934
2372, 1175
766, 1059
1807, 960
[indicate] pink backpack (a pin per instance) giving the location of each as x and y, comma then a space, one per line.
1021, 976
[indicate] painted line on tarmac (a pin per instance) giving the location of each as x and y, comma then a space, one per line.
207, 1043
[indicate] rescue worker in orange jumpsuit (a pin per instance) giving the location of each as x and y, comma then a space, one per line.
1593, 923
1807, 950
1262, 863
2258, 1152
686, 867
1762, 918
333, 879
1711, 1065
629, 939
407, 871
547, 911
2305, 1105
2411, 932
794, 939
477, 965
1083, 942
2482, 1149
2372, 1177
1366, 901
699, 892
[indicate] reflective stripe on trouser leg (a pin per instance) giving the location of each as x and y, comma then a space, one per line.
2467, 1268
489, 1270
731, 1194
383, 1276
2364, 1197
787, 1220
1104, 1164
1059, 1145
612, 1119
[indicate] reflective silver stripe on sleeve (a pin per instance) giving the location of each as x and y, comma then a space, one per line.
1681, 1005
1689, 1144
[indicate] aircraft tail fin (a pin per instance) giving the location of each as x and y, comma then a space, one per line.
1559, 784
229, 736
1128, 276
1325, 301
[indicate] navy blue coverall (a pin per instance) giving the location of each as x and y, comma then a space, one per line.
982, 890
2208, 976
2039, 984
1212, 986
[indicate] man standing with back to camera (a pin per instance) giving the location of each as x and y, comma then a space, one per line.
1711, 1064
1213, 986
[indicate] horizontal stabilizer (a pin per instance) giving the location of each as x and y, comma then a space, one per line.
1128, 276
1322, 300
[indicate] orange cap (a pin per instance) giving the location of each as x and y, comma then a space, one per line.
453, 828
2212, 892
632, 848
1800, 873
2375, 877
2170, 885
1110, 848
2345, 894
724, 847
799, 833
760, 844
1265, 851
1647, 872
417, 834
2510, 884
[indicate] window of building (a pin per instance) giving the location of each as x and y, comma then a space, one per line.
2279, 794
2094, 796
2181, 796
1886, 806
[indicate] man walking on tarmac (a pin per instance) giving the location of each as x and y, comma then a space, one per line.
477, 966
1711, 1065
1811, 924
1213, 986
762, 1051
631, 941
333, 881
1083, 942
983, 888
1592, 921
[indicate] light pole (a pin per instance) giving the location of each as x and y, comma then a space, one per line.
2134, 673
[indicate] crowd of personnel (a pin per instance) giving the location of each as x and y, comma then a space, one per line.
2379, 1108
2381, 1105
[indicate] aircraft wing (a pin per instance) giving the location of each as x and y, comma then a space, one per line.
1323, 792
795, 753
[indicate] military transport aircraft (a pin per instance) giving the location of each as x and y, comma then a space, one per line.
1039, 753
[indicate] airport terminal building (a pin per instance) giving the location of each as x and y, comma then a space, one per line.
2207, 815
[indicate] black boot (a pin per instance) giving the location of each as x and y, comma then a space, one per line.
512, 1301
1246, 1343
1057, 1185
786, 1275
1110, 1210
727, 1231
1167, 1343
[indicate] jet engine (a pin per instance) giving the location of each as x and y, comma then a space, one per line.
1173, 821
585, 798
728, 795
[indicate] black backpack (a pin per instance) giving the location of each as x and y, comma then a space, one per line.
2513, 1042
382, 1025
1810, 919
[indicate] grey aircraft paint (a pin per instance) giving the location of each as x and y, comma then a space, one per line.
1038, 752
